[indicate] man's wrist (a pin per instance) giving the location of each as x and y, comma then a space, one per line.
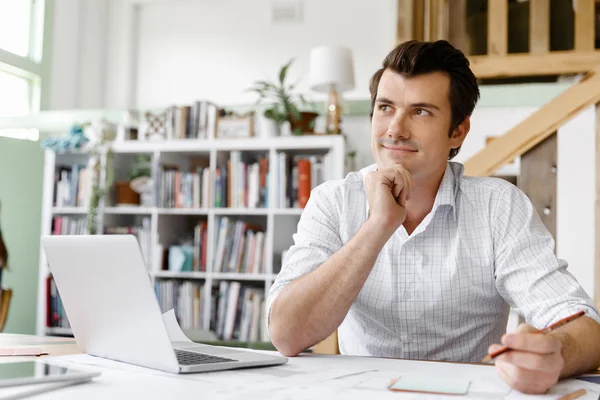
380, 227
566, 348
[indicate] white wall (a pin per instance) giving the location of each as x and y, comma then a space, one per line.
78, 55
121, 54
215, 49
576, 178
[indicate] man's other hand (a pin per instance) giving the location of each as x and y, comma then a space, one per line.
534, 363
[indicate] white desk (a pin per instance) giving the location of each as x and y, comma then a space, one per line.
304, 377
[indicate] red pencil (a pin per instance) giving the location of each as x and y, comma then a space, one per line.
552, 327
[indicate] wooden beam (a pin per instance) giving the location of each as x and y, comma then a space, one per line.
497, 27
585, 15
457, 26
419, 20
433, 19
536, 127
539, 26
442, 20
537, 179
405, 26
553, 63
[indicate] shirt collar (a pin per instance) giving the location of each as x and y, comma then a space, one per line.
449, 186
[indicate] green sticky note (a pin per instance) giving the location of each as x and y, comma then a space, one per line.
431, 384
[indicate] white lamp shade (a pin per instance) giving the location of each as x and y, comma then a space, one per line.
331, 65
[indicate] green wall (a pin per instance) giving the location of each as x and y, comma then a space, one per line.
21, 175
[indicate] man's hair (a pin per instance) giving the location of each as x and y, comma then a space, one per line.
414, 58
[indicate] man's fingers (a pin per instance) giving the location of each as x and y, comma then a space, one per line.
399, 180
403, 196
533, 361
526, 328
494, 347
534, 343
523, 380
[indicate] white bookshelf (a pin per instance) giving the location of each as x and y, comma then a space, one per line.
165, 223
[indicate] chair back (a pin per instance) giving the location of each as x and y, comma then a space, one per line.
5, 298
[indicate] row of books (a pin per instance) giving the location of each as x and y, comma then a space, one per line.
240, 313
236, 312
242, 184
195, 121
177, 189
239, 247
297, 175
55, 312
191, 255
65, 225
72, 186
186, 298
142, 233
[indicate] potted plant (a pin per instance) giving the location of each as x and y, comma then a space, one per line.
140, 180
284, 103
129, 192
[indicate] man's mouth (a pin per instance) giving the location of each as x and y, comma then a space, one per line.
400, 148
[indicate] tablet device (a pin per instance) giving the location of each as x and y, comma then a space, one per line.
38, 372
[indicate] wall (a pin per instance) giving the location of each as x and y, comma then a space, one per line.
78, 70
20, 219
576, 179
202, 49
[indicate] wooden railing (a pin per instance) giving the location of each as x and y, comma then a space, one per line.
447, 19
537, 127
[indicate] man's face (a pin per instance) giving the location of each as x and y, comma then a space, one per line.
411, 121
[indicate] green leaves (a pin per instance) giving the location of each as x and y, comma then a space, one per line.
283, 101
275, 114
283, 71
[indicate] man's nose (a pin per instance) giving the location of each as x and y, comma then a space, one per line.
398, 127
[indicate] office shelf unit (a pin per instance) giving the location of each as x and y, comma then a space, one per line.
165, 223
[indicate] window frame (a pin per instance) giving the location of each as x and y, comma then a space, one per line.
35, 66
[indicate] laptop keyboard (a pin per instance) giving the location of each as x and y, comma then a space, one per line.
192, 358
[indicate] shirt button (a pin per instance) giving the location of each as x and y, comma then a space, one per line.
408, 245
407, 295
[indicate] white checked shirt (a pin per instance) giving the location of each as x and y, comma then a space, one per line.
443, 292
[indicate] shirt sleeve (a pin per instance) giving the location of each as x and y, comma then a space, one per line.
317, 238
529, 276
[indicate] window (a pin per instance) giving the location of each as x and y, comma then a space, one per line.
15, 26
15, 98
21, 34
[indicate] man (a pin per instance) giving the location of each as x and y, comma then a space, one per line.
408, 258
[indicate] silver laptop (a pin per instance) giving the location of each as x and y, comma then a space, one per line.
114, 313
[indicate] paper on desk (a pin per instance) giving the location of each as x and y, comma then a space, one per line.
561, 389
24, 391
173, 328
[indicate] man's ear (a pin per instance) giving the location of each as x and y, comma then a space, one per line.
460, 133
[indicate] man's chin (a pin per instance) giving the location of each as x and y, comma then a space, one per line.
391, 161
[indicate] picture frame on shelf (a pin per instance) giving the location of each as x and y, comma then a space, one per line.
236, 126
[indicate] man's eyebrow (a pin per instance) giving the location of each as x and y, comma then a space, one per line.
384, 100
424, 105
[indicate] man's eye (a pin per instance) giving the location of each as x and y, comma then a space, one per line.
384, 107
421, 112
